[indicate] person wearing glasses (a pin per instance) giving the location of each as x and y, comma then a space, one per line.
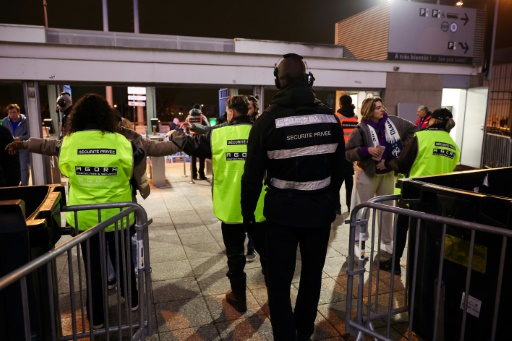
377, 138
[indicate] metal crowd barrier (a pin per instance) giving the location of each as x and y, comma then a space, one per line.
67, 298
383, 306
498, 151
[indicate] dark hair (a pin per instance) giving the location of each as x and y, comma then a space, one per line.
443, 119
240, 103
91, 110
254, 100
346, 101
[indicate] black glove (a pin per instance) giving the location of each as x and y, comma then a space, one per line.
249, 219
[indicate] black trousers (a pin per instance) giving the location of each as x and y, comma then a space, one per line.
233, 236
96, 274
281, 243
195, 170
349, 184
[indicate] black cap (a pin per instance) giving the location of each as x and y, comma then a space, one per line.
442, 114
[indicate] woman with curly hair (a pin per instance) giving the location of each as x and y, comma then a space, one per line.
99, 164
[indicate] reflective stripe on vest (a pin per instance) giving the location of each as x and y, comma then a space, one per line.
437, 154
319, 149
292, 121
304, 151
229, 151
301, 186
99, 167
348, 124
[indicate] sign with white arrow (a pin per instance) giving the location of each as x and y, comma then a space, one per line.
426, 32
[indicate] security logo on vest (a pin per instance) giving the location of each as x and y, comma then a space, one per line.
236, 142
96, 151
236, 156
95, 171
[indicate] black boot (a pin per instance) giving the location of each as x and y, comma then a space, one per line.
237, 295
237, 300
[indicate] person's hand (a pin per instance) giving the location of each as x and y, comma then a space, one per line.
375, 152
186, 125
248, 219
381, 165
13, 147
16, 138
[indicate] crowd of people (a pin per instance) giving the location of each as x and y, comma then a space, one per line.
293, 157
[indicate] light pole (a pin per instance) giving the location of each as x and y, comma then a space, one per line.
45, 14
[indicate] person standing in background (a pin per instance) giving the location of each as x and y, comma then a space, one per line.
348, 121
423, 117
10, 174
195, 115
64, 106
17, 124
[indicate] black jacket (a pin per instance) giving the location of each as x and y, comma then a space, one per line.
285, 146
9, 164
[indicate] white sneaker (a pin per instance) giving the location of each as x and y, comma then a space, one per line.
357, 251
387, 248
98, 326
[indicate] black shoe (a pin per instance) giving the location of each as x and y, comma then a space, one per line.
251, 255
194, 177
203, 178
237, 301
386, 266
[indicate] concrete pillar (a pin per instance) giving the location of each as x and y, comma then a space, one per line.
53, 93
150, 108
32, 105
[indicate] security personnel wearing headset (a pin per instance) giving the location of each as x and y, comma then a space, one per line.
227, 147
64, 106
297, 146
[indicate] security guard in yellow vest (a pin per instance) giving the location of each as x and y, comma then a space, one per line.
431, 151
227, 147
99, 165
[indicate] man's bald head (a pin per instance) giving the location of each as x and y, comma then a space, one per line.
291, 70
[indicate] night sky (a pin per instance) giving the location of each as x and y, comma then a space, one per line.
310, 21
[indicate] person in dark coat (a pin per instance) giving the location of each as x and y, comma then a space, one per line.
297, 146
10, 174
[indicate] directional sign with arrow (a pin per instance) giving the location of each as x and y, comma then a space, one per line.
465, 19
424, 32
464, 46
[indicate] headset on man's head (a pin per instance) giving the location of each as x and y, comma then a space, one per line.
309, 79
61, 102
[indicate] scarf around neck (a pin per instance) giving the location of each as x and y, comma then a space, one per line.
391, 141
